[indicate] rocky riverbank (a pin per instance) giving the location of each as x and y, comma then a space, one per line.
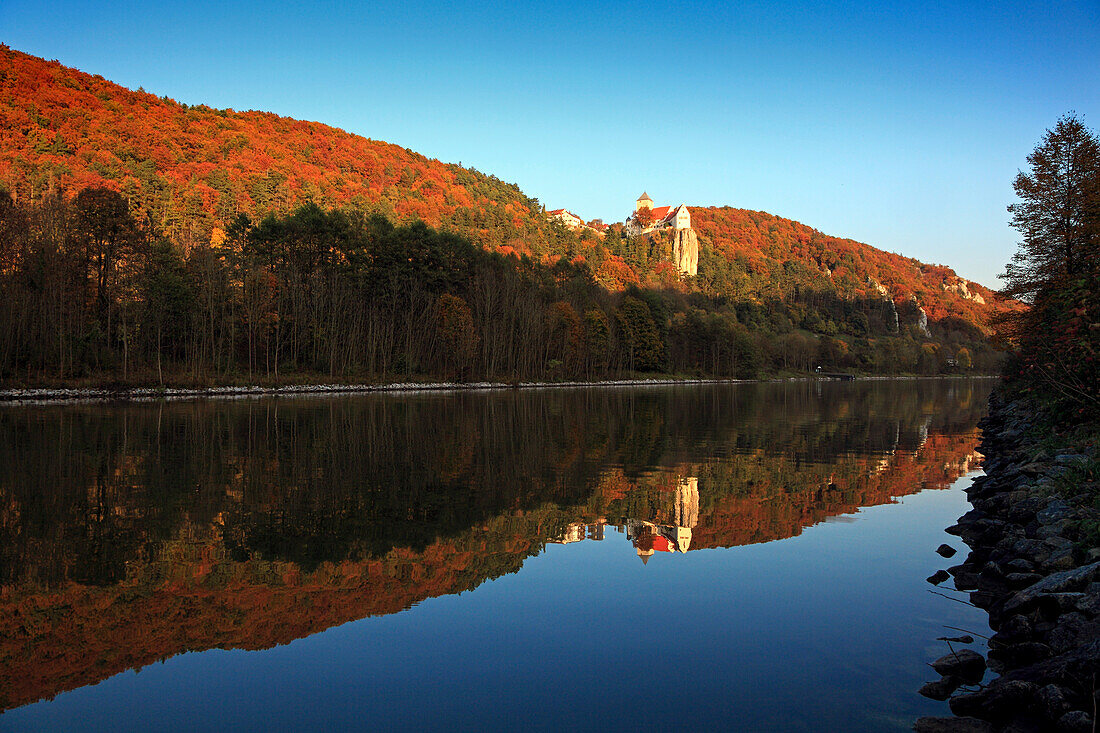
137, 394
1034, 566
36, 395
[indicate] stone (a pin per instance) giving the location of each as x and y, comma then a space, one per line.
992, 571
1019, 565
964, 663
1068, 459
965, 577
1089, 603
1016, 627
1052, 701
1061, 559
1055, 604
1075, 721
945, 550
1019, 655
1054, 583
1033, 550
1055, 511
952, 725
1033, 469
964, 639
1001, 700
938, 577
1072, 630
1022, 580
942, 688
1055, 529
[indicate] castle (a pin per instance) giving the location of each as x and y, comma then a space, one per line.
662, 217
667, 228
574, 222
670, 227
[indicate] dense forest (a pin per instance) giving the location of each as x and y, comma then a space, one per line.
147, 241
88, 291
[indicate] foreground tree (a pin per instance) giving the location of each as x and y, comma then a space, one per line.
1058, 213
1057, 269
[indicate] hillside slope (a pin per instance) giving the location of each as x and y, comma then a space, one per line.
193, 168
762, 255
191, 171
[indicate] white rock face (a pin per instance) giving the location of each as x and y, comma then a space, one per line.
886, 297
685, 251
922, 322
962, 290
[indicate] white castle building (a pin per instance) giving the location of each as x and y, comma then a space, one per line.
660, 217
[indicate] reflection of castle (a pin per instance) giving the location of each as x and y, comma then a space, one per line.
649, 537
577, 531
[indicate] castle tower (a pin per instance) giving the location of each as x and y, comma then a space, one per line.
643, 202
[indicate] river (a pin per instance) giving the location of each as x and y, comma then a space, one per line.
739, 557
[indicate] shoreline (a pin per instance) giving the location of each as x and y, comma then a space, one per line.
51, 395
1034, 567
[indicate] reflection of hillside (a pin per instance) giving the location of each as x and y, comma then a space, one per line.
131, 534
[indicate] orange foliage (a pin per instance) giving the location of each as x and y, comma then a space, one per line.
196, 168
764, 244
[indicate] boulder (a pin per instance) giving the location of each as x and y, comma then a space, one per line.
942, 688
1060, 559
1072, 630
1019, 655
964, 663
1022, 580
1052, 701
1055, 511
1019, 565
1075, 721
1001, 700
945, 550
938, 577
965, 577
1055, 583
1089, 602
1016, 627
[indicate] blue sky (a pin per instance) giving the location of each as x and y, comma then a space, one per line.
897, 124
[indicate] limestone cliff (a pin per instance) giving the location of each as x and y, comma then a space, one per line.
685, 251
678, 246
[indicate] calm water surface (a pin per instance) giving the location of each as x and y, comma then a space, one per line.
738, 557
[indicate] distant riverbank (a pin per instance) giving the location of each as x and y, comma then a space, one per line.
60, 394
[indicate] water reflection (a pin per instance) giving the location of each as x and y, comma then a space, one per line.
132, 533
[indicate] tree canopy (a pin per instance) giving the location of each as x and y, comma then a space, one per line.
1058, 212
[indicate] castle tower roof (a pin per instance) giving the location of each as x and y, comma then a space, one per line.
645, 197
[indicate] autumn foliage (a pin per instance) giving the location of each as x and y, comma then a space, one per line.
248, 236
190, 170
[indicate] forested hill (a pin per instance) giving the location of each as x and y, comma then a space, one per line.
756, 255
144, 239
191, 169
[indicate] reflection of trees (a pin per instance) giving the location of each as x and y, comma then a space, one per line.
130, 533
